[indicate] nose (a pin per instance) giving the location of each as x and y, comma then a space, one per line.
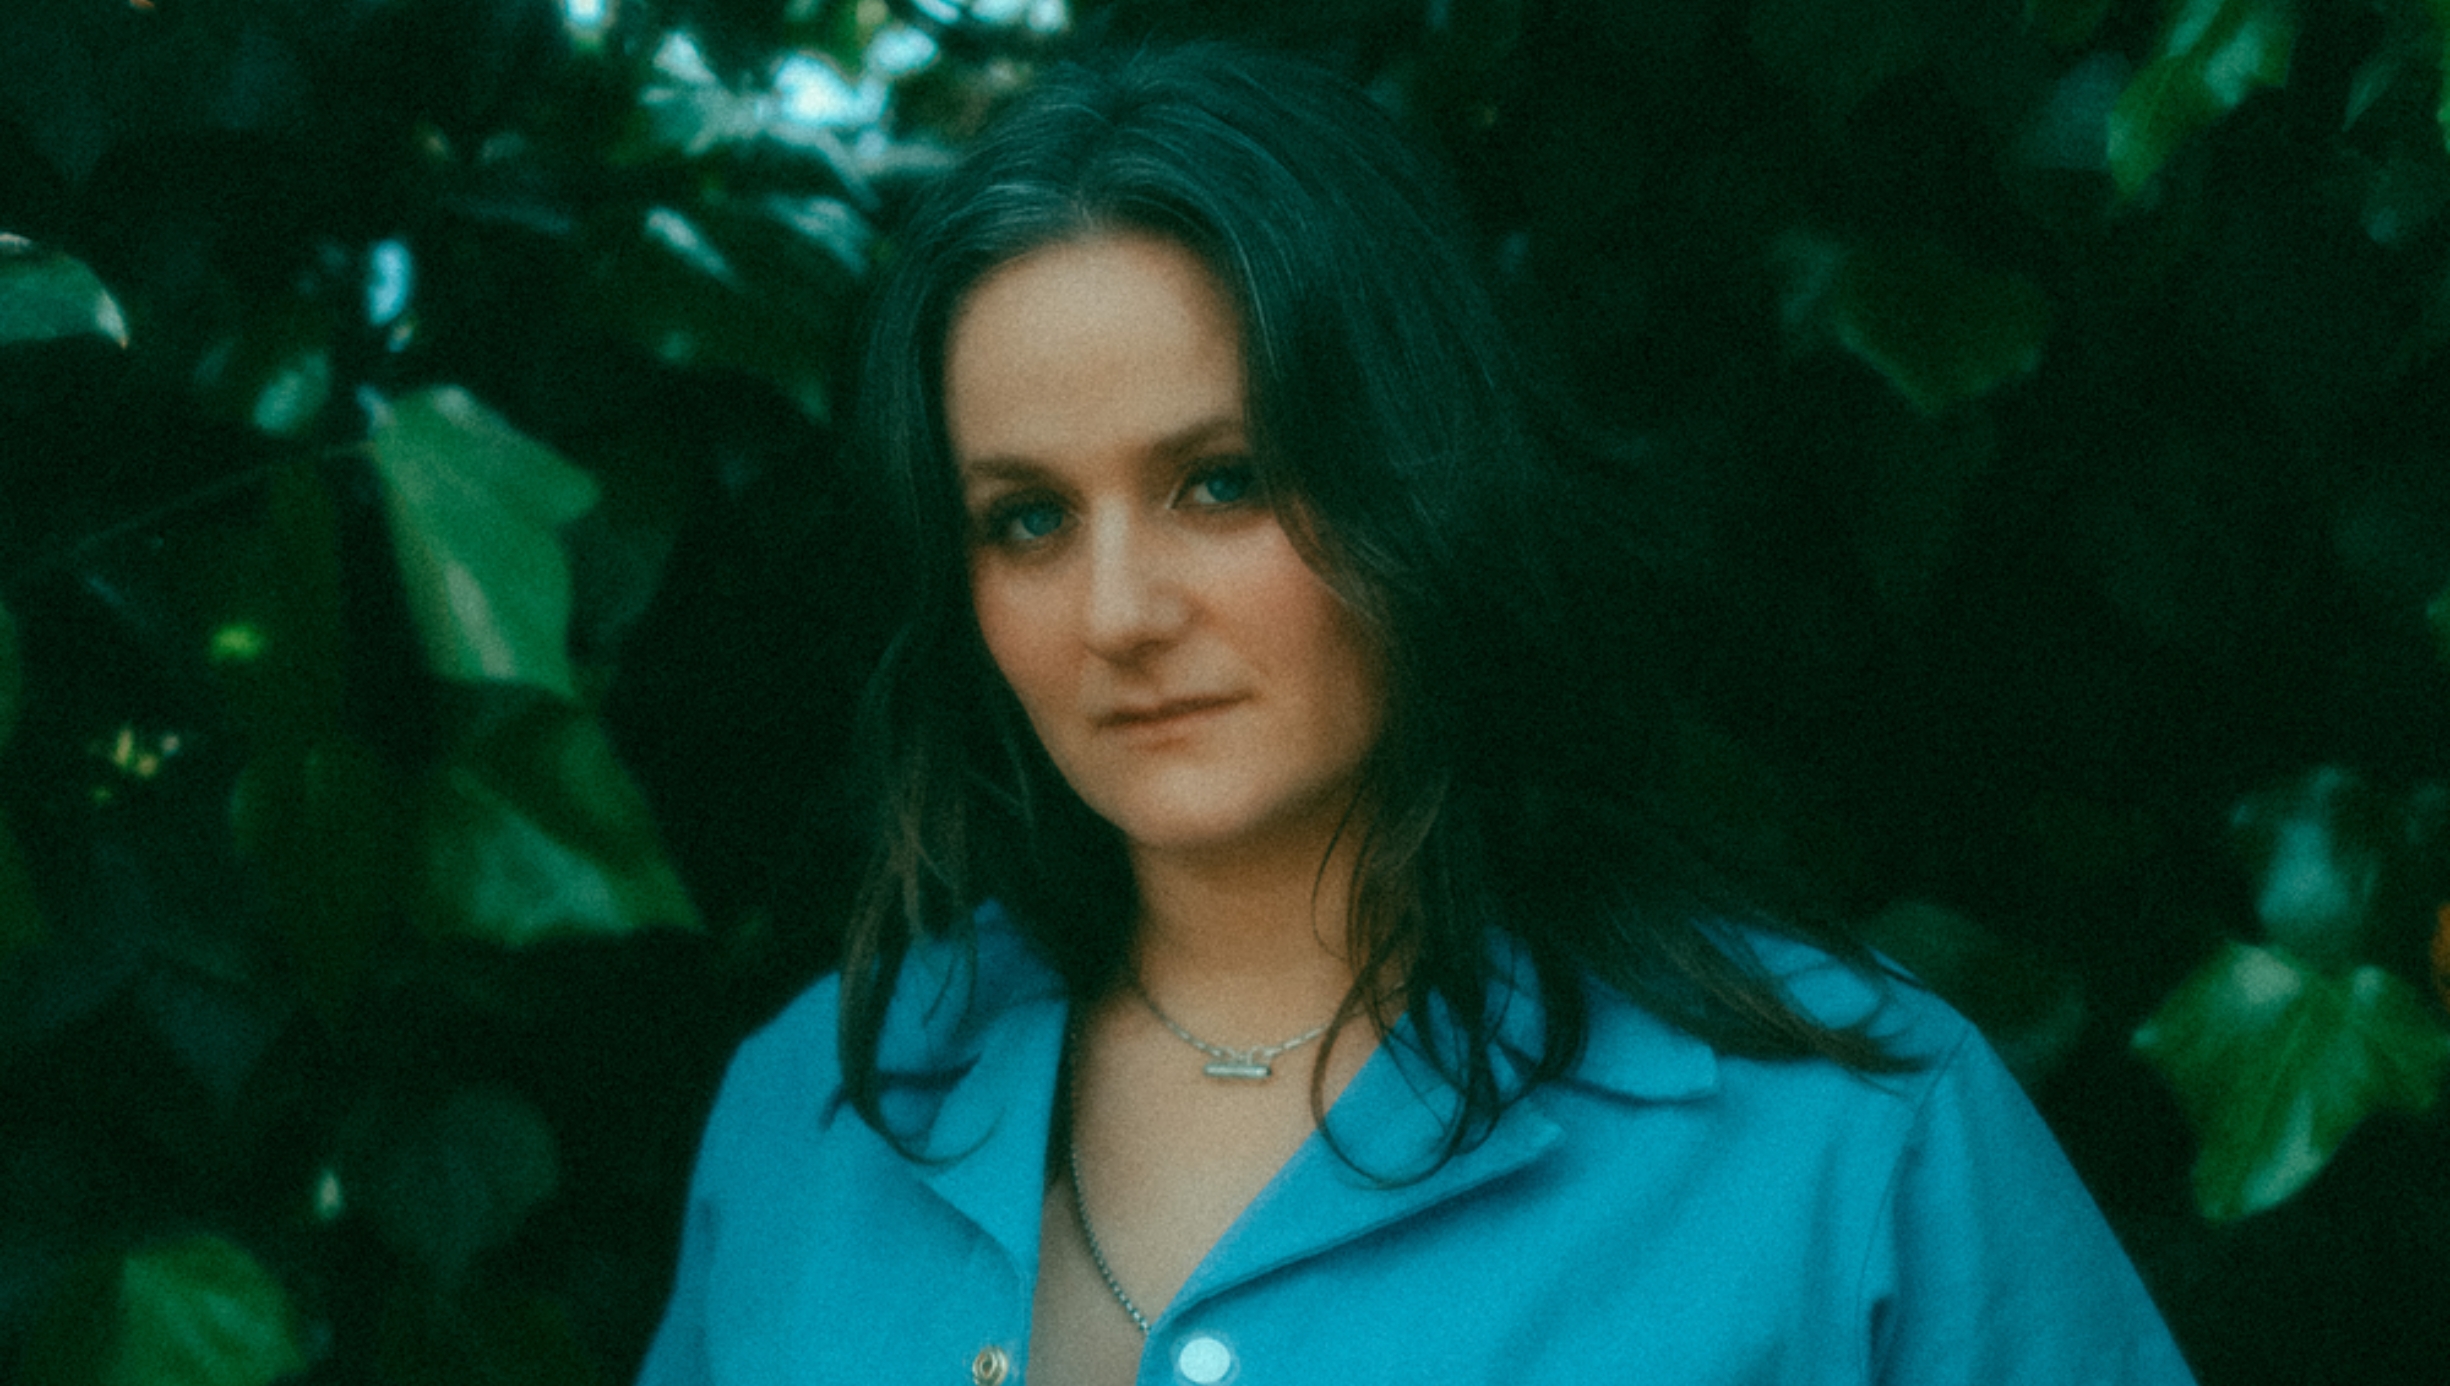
1135, 599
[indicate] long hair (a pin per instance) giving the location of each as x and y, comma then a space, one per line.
1511, 788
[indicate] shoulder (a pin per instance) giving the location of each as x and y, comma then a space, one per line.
1865, 1137
1944, 1065
804, 1035
953, 999
1880, 999
1931, 1201
786, 1071
1631, 1050
1949, 1121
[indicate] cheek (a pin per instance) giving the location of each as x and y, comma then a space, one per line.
1015, 637
1311, 632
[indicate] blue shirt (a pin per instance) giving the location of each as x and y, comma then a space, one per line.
1664, 1214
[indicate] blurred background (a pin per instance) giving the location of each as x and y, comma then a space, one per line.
430, 610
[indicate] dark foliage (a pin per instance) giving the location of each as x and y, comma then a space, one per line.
2042, 407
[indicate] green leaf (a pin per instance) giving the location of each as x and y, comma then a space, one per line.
321, 818
839, 29
2402, 72
1941, 331
2317, 848
805, 109
687, 108
538, 832
199, 1311
45, 295
274, 371
2275, 1063
2405, 192
328, 824
448, 1181
270, 612
2440, 12
475, 509
2437, 612
761, 287
2214, 54
203, 1311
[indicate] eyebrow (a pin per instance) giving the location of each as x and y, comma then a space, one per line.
1179, 443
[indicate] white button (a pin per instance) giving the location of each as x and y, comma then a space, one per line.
1203, 1360
991, 1366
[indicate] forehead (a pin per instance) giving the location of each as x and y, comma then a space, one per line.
1090, 344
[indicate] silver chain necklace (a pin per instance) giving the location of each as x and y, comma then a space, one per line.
1253, 1065
1097, 1254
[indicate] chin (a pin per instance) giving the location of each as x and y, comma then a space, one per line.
1208, 828
1180, 832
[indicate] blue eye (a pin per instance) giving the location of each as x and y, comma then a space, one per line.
1035, 521
1020, 522
1228, 484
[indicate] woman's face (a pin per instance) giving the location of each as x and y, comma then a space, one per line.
1194, 680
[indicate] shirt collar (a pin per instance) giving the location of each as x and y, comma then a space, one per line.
973, 1042
970, 1051
1627, 1051
951, 999
1633, 1054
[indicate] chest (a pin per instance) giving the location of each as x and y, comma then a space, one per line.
1530, 1260
1151, 1164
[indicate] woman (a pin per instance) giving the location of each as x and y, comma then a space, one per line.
1272, 969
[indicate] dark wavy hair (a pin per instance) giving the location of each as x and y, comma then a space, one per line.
1511, 789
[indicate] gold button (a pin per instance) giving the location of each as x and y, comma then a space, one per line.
990, 1366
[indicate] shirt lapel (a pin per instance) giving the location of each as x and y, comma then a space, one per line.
977, 1044
984, 1039
1390, 1127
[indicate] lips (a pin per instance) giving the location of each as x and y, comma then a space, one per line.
1159, 715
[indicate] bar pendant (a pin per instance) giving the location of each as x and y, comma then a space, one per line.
1244, 1072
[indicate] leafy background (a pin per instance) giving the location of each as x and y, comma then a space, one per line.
429, 608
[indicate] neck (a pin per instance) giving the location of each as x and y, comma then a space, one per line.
1252, 945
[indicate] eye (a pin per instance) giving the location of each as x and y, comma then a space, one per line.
1222, 486
1019, 521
